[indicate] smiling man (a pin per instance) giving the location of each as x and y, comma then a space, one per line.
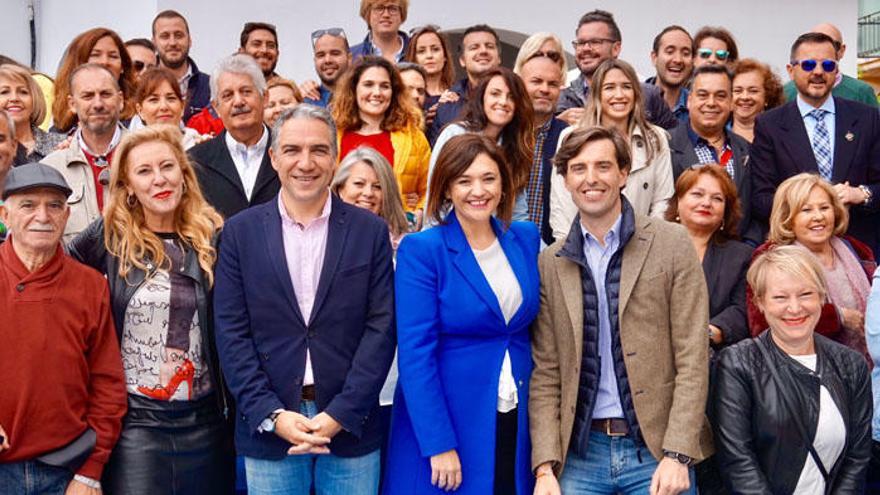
621, 361
820, 133
235, 171
306, 360
673, 58
173, 43
260, 40
332, 58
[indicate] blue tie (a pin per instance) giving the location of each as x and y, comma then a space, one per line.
822, 144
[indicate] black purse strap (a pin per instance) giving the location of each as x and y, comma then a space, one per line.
795, 418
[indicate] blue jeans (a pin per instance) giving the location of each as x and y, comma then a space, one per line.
33, 478
332, 475
613, 466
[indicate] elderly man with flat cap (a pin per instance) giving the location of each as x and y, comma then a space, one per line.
63, 388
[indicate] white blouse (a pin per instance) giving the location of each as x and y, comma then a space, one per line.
493, 262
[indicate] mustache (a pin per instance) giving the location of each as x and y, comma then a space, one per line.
241, 110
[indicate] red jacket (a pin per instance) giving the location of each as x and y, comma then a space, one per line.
206, 122
829, 323
59, 359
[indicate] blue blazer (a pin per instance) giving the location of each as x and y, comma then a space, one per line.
262, 337
782, 149
452, 338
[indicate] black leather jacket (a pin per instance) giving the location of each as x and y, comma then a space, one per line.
88, 248
759, 447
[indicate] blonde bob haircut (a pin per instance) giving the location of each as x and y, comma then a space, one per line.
126, 235
532, 45
791, 196
793, 260
392, 205
367, 7
21, 75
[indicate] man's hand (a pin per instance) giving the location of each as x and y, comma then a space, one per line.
4, 443
546, 483
299, 431
670, 478
309, 89
849, 195
446, 470
77, 488
572, 116
324, 425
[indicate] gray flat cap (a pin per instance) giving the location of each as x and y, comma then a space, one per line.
34, 175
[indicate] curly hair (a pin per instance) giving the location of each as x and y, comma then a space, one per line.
126, 235
518, 137
447, 75
774, 96
401, 113
77, 54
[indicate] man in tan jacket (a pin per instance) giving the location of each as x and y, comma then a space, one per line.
619, 388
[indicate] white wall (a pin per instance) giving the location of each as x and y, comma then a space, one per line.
764, 28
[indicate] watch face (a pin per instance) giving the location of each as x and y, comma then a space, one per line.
267, 425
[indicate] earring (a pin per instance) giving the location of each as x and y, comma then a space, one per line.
677, 218
130, 200
722, 226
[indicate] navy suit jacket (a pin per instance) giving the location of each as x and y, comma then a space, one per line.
782, 149
262, 337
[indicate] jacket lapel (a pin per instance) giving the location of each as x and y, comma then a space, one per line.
337, 235
466, 264
797, 140
844, 149
634, 255
569, 261
266, 174
511, 247
680, 146
222, 163
274, 239
740, 162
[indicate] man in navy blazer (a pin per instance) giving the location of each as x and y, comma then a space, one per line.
839, 139
304, 313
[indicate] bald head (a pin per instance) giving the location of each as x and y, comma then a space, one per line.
832, 32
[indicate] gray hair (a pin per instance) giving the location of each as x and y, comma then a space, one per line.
9, 123
240, 63
392, 204
305, 111
532, 45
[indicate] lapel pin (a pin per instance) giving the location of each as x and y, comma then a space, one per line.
849, 136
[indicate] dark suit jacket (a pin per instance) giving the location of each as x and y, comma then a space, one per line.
725, 266
684, 156
450, 111
221, 183
782, 149
262, 338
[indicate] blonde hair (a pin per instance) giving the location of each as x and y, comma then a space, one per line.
792, 260
791, 196
392, 205
367, 6
278, 81
126, 235
22, 75
532, 45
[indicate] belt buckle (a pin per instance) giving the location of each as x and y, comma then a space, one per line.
608, 423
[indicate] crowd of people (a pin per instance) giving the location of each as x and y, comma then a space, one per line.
389, 281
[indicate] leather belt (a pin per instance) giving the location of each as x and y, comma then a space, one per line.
613, 427
308, 392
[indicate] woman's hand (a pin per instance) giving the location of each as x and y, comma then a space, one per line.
448, 96
546, 483
716, 335
446, 470
4, 440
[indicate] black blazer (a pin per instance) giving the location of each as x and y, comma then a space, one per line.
782, 149
221, 183
262, 337
725, 266
684, 156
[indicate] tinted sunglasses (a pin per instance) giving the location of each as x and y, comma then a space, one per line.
707, 52
809, 65
551, 54
335, 32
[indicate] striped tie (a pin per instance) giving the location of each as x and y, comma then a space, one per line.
822, 144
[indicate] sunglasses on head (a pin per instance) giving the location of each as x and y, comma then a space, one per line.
809, 65
551, 54
138, 65
707, 52
335, 32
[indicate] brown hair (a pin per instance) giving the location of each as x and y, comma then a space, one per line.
719, 33
791, 196
151, 79
455, 158
23, 75
126, 235
77, 54
447, 75
517, 137
401, 113
732, 211
774, 95
581, 136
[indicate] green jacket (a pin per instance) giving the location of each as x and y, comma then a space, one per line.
849, 88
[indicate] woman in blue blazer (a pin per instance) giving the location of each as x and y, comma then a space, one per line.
466, 293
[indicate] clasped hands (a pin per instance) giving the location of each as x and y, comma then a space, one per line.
307, 436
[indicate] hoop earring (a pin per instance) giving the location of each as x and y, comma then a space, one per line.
130, 200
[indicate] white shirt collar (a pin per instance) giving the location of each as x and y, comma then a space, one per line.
805, 108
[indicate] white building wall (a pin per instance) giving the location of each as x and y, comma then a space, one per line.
763, 28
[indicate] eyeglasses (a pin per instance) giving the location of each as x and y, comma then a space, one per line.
138, 65
551, 54
389, 9
578, 44
335, 32
810, 64
705, 53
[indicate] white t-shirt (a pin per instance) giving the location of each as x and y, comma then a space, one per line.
504, 284
829, 441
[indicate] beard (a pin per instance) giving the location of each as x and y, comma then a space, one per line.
173, 64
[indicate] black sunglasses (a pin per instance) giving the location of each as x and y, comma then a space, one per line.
810, 64
335, 32
551, 54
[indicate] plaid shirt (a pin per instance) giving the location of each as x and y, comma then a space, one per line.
706, 153
535, 187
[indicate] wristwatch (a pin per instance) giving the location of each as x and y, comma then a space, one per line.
268, 424
681, 458
867, 192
